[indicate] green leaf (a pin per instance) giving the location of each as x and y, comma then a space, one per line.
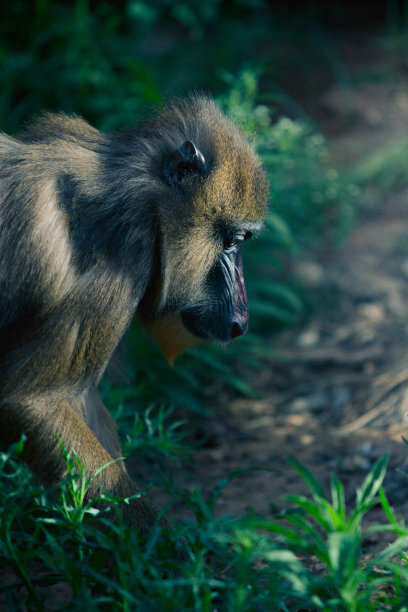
314, 485
338, 497
372, 483
344, 550
386, 506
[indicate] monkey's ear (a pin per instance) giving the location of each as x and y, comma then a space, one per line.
185, 162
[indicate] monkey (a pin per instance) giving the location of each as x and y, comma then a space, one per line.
95, 227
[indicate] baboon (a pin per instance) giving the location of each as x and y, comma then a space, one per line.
94, 227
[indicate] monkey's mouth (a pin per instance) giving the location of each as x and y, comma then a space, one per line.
213, 327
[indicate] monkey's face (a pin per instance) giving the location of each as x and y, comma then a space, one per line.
211, 212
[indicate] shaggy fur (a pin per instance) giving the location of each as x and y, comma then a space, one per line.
90, 232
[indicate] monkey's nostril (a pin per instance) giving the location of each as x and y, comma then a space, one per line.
238, 329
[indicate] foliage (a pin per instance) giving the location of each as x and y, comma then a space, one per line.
385, 168
109, 61
58, 549
307, 193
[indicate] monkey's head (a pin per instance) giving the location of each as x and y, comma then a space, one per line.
213, 195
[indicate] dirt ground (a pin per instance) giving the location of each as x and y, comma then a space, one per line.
338, 398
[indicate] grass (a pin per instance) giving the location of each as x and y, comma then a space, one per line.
57, 550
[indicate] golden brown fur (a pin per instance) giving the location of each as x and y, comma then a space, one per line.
94, 227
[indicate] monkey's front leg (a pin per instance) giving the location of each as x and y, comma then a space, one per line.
42, 423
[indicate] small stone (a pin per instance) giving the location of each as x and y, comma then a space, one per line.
297, 419
373, 312
310, 273
300, 404
308, 338
355, 462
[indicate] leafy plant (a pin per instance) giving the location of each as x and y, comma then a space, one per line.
310, 201
64, 552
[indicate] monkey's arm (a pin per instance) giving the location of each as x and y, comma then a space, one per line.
48, 376
43, 424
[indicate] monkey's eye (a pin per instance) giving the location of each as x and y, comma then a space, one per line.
234, 240
231, 242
